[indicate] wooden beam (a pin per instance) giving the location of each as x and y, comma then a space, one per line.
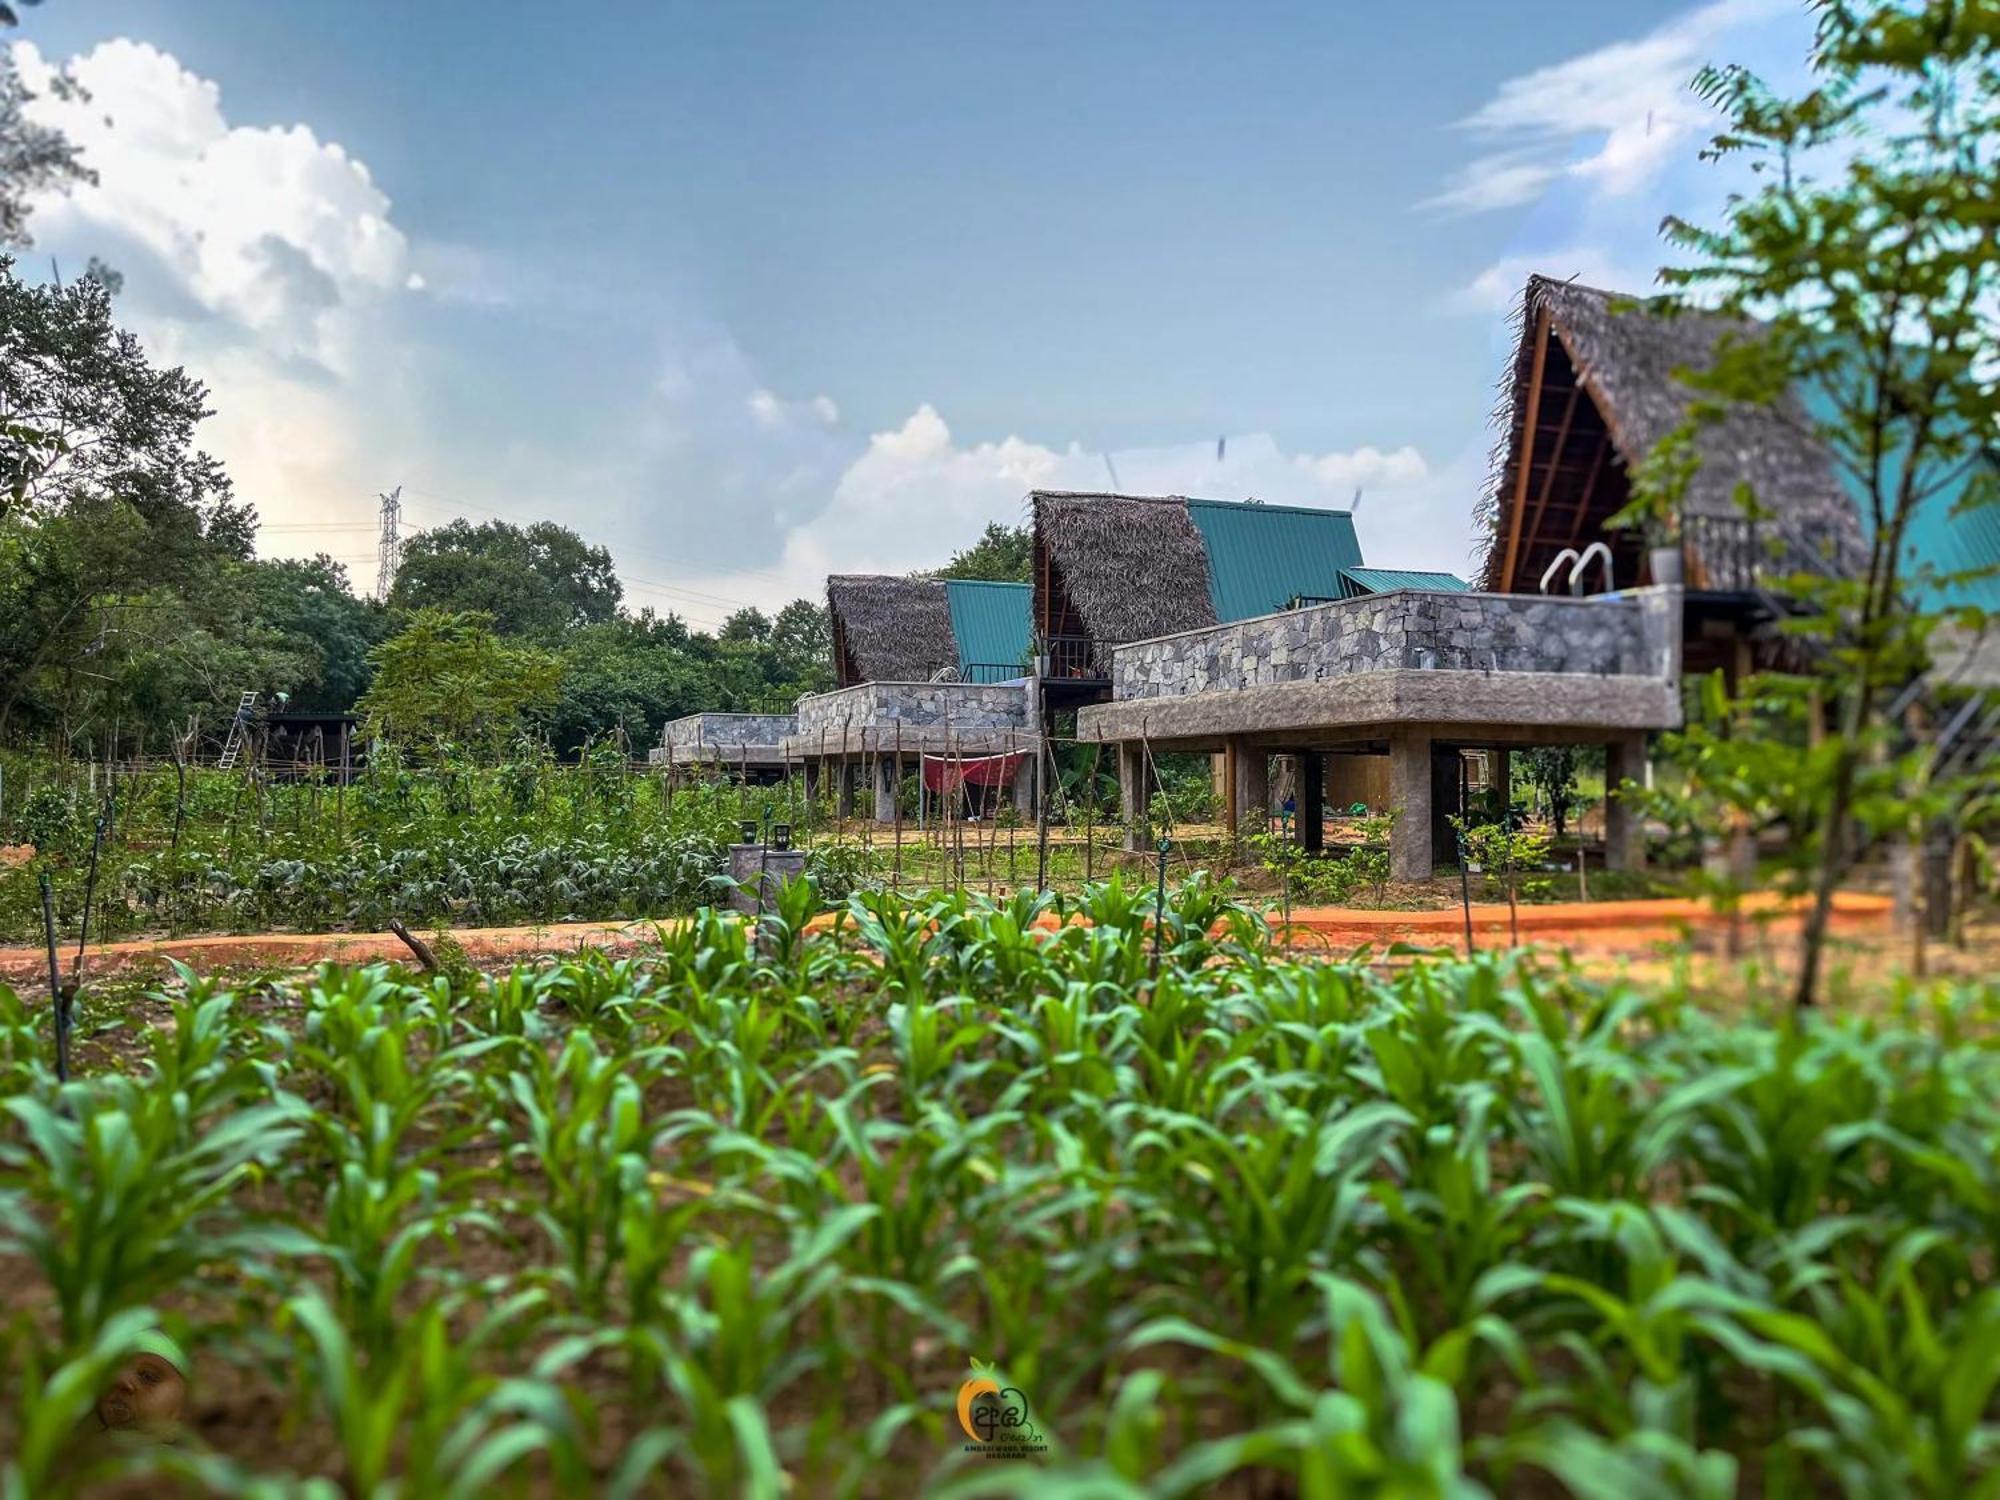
1529, 414
1549, 474
1590, 486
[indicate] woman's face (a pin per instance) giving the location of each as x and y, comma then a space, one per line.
146, 1396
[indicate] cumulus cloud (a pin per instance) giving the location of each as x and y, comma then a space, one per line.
262, 258
268, 227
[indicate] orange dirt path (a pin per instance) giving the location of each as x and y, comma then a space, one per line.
1617, 926
299, 950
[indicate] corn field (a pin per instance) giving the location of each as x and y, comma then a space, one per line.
736, 1219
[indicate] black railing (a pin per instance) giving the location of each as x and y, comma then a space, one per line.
1078, 656
1741, 554
991, 671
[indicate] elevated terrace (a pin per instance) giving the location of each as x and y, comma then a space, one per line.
729, 741
886, 726
1407, 674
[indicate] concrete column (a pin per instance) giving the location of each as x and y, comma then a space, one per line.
1312, 801
1410, 856
887, 774
843, 788
1024, 787
1624, 834
1132, 791
1252, 811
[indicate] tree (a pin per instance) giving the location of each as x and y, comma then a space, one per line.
309, 604
535, 581
1003, 554
802, 647
33, 158
1868, 255
104, 498
447, 679
747, 624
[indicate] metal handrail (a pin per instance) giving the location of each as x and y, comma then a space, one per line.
1595, 549
1567, 553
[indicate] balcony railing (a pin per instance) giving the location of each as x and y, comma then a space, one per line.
992, 671
1078, 657
1732, 554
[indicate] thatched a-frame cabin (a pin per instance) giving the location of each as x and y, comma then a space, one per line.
1115, 568
1590, 392
889, 629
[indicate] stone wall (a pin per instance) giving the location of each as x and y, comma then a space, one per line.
871, 706
729, 730
1408, 630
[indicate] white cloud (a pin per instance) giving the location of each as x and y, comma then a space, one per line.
1614, 117
915, 494
1606, 144
268, 227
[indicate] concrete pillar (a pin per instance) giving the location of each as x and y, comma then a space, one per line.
887, 774
1024, 787
1252, 810
1624, 833
843, 788
1132, 792
1312, 801
1410, 856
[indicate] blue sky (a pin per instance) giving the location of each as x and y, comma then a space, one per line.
752, 291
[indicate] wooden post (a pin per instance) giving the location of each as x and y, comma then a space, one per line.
896, 869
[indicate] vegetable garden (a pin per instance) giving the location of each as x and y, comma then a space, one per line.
737, 1219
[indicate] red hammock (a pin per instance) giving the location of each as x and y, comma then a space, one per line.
946, 774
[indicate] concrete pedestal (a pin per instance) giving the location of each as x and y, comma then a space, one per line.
1312, 801
778, 865
1024, 787
1410, 853
1624, 831
1132, 796
887, 774
1251, 812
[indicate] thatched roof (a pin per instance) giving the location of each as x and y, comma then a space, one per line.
888, 629
1131, 566
1624, 356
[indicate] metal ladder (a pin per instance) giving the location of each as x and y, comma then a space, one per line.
239, 733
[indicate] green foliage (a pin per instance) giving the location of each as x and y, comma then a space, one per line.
734, 1219
535, 581
1004, 554
1867, 254
447, 679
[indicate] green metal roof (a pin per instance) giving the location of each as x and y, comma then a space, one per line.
1961, 542
1382, 580
993, 624
1261, 557
1939, 534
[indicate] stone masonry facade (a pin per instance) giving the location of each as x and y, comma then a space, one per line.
728, 730
871, 706
1409, 630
